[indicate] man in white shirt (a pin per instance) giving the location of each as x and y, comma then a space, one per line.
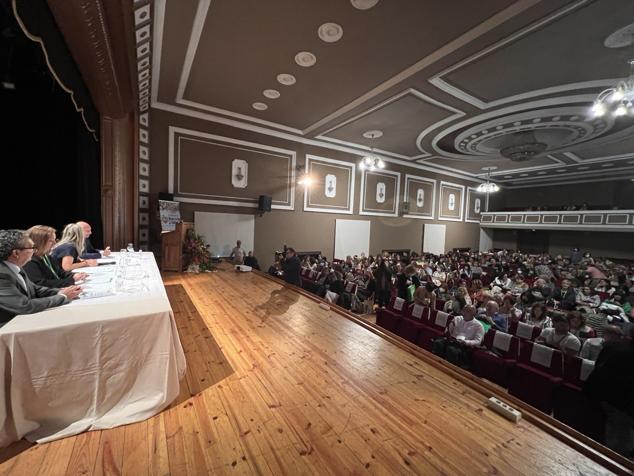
465, 328
18, 294
237, 253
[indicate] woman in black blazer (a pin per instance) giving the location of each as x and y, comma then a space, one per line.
42, 269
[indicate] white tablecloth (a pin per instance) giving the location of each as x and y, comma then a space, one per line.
92, 364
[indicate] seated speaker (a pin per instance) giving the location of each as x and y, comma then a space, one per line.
264, 203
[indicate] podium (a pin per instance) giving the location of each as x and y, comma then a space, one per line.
172, 247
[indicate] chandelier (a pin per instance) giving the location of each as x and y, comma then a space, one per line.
522, 146
616, 100
372, 162
488, 187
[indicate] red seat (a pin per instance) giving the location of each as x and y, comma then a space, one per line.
572, 407
497, 362
389, 317
416, 318
536, 376
440, 304
436, 327
524, 331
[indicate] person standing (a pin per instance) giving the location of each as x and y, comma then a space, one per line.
292, 268
18, 294
237, 253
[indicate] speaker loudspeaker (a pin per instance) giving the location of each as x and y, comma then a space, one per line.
264, 203
166, 196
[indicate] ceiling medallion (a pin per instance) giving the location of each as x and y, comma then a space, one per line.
330, 32
621, 38
363, 4
373, 134
286, 79
522, 146
271, 93
260, 106
305, 59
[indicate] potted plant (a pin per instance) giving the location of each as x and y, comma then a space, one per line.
197, 255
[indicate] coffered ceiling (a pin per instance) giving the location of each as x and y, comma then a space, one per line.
448, 83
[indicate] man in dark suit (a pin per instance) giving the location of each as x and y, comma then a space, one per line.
18, 294
565, 295
292, 268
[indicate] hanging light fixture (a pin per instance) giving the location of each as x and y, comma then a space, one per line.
618, 99
372, 162
488, 187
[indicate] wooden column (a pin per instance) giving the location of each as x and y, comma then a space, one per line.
100, 37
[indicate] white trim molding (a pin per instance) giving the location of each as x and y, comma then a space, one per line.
454, 186
414, 178
350, 166
397, 192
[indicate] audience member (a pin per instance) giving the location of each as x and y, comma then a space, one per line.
465, 332
578, 326
565, 296
592, 346
612, 385
291, 266
538, 316
559, 336
490, 315
18, 294
43, 270
251, 260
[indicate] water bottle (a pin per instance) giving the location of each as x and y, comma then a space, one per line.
130, 248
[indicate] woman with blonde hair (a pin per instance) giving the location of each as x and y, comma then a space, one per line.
43, 270
70, 247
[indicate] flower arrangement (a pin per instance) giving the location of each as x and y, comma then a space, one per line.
196, 252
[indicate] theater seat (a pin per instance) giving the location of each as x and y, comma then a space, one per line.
524, 331
536, 376
571, 406
389, 317
434, 328
498, 360
416, 318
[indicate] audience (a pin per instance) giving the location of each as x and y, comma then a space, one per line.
292, 267
251, 260
18, 294
559, 336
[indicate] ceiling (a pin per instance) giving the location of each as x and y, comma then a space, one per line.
447, 83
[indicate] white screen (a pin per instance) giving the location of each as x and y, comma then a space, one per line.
434, 239
222, 230
352, 237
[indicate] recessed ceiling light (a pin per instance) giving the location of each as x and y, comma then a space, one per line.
271, 93
537, 119
584, 168
556, 118
330, 32
523, 175
574, 118
260, 106
517, 123
508, 176
363, 4
542, 173
373, 134
560, 170
607, 165
305, 59
286, 79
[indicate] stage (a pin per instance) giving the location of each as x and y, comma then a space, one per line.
277, 385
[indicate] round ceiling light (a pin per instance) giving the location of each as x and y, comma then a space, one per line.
363, 4
286, 79
305, 59
271, 93
330, 32
508, 176
373, 134
260, 106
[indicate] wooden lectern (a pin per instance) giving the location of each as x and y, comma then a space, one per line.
172, 247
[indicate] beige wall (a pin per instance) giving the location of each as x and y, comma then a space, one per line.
306, 231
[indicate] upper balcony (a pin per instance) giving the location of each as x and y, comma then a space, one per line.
588, 220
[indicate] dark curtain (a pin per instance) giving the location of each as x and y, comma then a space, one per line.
50, 160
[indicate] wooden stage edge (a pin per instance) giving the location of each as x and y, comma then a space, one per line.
569, 436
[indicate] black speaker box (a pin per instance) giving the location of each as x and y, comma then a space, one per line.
166, 196
264, 203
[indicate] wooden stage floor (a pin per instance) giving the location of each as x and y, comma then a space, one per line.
277, 385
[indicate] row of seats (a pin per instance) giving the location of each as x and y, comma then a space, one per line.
541, 376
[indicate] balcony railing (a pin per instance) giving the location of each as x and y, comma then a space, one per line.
593, 220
